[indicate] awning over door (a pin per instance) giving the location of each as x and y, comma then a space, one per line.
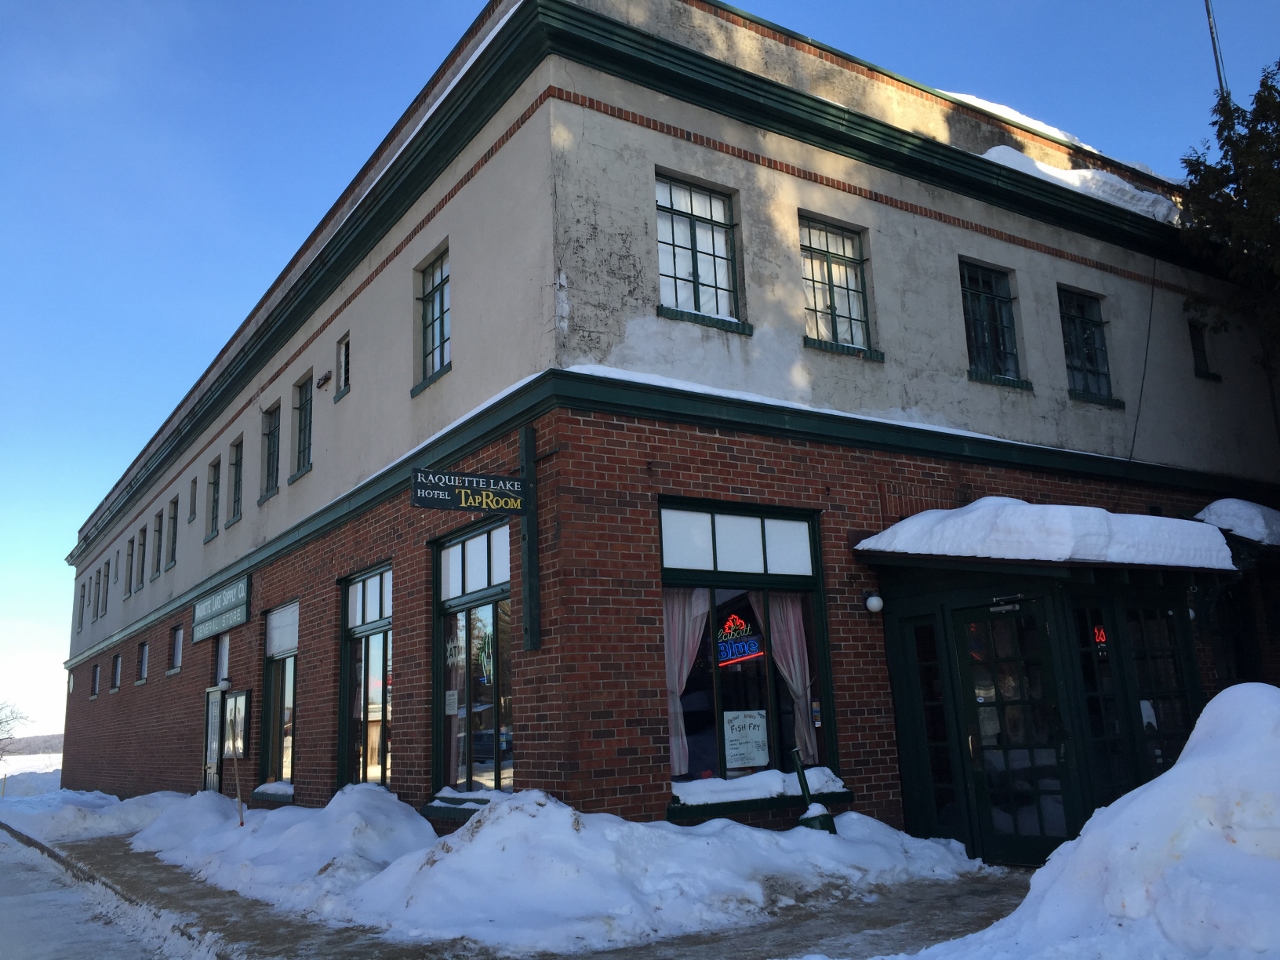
1000, 528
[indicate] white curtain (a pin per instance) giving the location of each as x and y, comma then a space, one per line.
791, 654
685, 615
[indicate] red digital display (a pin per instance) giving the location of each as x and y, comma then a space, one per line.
1100, 636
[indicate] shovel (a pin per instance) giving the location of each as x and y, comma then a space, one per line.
817, 821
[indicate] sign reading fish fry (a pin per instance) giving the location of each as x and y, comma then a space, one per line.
467, 491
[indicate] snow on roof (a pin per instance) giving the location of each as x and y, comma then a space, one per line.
1249, 520
1008, 113
1094, 183
1001, 528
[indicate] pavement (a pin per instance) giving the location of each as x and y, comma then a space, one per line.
222, 925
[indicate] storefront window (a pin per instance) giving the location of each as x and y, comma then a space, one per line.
369, 679
281, 674
475, 634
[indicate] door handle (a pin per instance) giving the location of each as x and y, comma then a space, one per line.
973, 748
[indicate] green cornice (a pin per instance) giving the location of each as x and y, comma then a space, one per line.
540, 28
577, 391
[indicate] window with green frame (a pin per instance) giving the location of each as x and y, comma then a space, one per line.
436, 355
368, 679
1085, 341
476, 740
280, 694
740, 614
835, 290
989, 325
696, 267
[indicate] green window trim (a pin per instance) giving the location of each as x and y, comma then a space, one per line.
339, 395
990, 331
299, 475
707, 320
1112, 402
828, 346
436, 333
697, 263
999, 381
835, 285
428, 381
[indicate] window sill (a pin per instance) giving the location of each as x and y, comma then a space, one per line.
1000, 381
268, 495
299, 475
170, 565
172, 671
113, 690
864, 353
138, 683
155, 576
211, 534
191, 519
707, 320
276, 799
1209, 375
232, 522
428, 381
705, 811
93, 696
1096, 399
342, 393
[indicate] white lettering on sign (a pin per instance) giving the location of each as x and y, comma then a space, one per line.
229, 596
746, 739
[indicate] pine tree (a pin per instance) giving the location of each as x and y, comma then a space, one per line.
1231, 218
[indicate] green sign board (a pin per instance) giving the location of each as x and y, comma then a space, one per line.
221, 610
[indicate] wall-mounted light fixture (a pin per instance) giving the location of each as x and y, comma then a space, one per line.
872, 601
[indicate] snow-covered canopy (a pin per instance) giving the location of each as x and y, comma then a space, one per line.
1005, 529
1249, 520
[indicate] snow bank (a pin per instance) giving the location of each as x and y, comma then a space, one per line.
554, 879
31, 784
302, 859
1185, 866
1249, 520
756, 786
75, 815
1096, 183
30, 763
1007, 529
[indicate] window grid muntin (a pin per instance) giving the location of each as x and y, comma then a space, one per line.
303, 411
435, 316
695, 240
215, 494
832, 278
172, 548
1084, 340
159, 539
988, 321
237, 477
271, 432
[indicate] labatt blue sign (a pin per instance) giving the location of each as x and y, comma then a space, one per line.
737, 642
442, 490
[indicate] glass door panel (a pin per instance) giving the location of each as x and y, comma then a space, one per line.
743, 680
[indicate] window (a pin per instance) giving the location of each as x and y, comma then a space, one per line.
191, 500
144, 656
115, 571
475, 654
435, 319
237, 480
115, 672
213, 496
93, 683
1200, 351
367, 654
302, 428
696, 266
80, 612
128, 567
97, 591
271, 452
1085, 341
106, 586
157, 538
989, 328
222, 659
835, 289
173, 534
344, 367
142, 556
739, 625
281, 673
175, 648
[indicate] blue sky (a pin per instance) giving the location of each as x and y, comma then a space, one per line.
161, 162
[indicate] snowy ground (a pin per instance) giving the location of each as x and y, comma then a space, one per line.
31, 774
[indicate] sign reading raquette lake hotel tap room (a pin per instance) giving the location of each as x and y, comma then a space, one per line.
441, 490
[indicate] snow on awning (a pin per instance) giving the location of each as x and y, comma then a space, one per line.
1000, 528
1252, 521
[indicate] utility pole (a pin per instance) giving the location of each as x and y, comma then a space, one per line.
1217, 51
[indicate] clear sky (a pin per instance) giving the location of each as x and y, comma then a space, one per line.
160, 163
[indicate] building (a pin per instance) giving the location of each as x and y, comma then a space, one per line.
716, 304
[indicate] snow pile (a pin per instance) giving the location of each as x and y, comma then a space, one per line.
756, 786
1007, 529
1096, 183
1249, 520
557, 880
1185, 866
75, 815
30, 784
302, 859
1008, 113
277, 788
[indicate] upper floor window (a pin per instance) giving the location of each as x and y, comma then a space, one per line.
237, 479
989, 326
173, 534
1085, 341
435, 318
343, 367
80, 611
835, 289
97, 592
302, 428
115, 672
158, 538
175, 648
142, 556
128, 567
1200, 351
213, 496
191, 500
144, 661
696, 267
271, 452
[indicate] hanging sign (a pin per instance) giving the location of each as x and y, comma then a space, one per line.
440, 490
737, 642
222, 610
746, 739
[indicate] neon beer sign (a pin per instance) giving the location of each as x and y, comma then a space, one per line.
735, 642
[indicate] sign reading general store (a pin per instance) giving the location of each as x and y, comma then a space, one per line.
221, 610
441, 490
